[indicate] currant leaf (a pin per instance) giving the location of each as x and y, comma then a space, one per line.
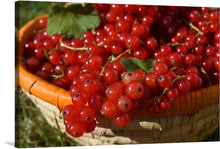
72, 21
132, 64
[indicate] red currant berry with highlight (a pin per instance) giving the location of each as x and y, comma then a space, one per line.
134, 90
71, 113
109, 109
110, 75
164, 103
150, 80
151, 43
124, 103
86, 114
175, 59
90, 85
80, 98
122, 119
128, 77
164, 80
75, 129
159, 68
95, 101
113, 92
172, 93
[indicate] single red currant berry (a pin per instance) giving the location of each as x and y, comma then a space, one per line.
110, 75
70, 57
165, 50
172, 93
150, 80
128, 77
134, 90
113, 92
164, 80
132, 42
193, 78
55, 57
159, 68
164, 103
86, 114
151, 43
183, 86
206, 64
71, 113
109, 109
122, 119
124, 103
95, 101
73, 71
80, 98
75, 129
189, 59
175, 59
33, 64
194, 16
89, 127
90, 85
43, 22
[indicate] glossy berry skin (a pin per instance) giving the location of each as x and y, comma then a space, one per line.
55, 57
132, 42
122, 119
151, 43
110, 75
90, 85
175, 59
95, 101
33, 63
109, 109
113, 92
134, 90
71, 113
70, 57
89, 127
164, 80
194, 16
150, 80
124, 103
86, 114
159, 68
183, 86
172, 93
80, 98
73, 71
128, 77
164, 103
189, 59
43, 22
193, 78
75, 129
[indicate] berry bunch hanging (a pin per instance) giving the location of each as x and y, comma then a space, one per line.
127, 55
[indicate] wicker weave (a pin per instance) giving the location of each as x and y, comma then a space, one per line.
181, 128
190, 118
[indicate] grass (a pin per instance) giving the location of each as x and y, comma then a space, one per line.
31, 128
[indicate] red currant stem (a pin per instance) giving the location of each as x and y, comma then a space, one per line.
123, 53
195, 28
58, 76
106, 64
142, 42
202, 70
46, 53
174, 68
175, 44
165, 89
72, 48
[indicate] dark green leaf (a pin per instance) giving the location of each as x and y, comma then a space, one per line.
72, 21
132, 64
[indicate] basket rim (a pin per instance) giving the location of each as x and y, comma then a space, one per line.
61, 97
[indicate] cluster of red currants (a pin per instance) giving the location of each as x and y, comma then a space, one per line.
184, 42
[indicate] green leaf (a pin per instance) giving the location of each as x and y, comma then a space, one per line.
132, 64
72, 21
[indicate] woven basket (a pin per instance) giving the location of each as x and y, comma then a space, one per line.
190, 118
